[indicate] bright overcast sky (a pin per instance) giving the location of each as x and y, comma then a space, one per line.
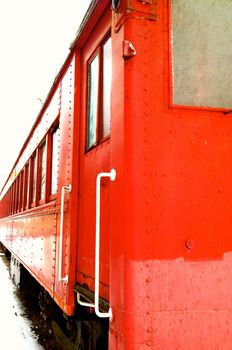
34, 36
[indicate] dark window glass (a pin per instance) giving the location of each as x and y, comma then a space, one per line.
42, 155
55, 160
26, 186
13, 198
33, 163
20, 191
16, 194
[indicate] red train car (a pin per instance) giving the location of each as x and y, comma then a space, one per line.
120, 200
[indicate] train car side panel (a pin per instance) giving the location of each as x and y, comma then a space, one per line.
34, 226
170, 203
65, 264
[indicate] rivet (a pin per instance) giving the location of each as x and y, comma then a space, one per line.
189, 243
220, 190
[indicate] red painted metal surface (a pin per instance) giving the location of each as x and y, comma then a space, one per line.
91, 164
166, 224
170, 204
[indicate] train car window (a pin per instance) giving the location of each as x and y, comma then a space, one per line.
33, 165
4, 204
12, 200
55, 159
13, 204
25, 186
93, 83
20, 189
16, 194
107, 78
99, 94
29, 177
14, 197
8, 202
42, 168
202, 53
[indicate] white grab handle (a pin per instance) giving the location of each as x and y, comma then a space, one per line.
112, 176
64, 189
82, 303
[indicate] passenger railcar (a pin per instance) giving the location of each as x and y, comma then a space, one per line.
120, 200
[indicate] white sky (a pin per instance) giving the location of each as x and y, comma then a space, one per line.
34, 41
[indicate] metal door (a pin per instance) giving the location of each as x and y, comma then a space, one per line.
95, 176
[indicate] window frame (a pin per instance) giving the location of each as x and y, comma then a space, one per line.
42, 144
16, 194
26, 180
98, 51
169, 69
56, 126
33, 180
20, 189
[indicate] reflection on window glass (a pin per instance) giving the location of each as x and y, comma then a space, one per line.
55, 160
107, 78
33, 163
202, 52
42, 171
92, 101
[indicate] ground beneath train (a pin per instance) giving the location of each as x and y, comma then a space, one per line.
22, 325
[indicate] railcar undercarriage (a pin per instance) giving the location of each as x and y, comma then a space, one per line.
83, 331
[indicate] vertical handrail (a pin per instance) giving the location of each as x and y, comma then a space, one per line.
63, 190
112, 176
